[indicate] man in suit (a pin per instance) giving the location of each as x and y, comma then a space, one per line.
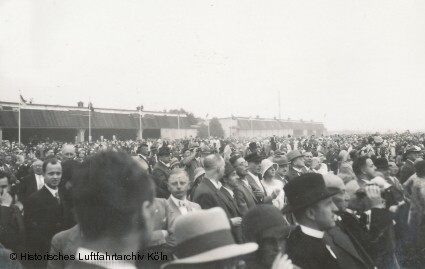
229, 184
33, 182
297, 167
178, 185
245, 197
349, 251
311, 204
161, 172
281, 173
142, 157
254, 170
43, 216
408, 169
65, 243
208, 195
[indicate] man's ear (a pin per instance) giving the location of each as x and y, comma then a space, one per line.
310, 213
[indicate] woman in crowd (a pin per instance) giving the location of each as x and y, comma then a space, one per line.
273, 187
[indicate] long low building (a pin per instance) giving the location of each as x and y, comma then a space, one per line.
71, 123
259, 127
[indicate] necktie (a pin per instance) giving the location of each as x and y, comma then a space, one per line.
57, 197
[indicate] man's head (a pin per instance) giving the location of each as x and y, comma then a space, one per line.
363, 167
310, 201
49, 153
230, 177
254, 163
240, 165
308, 158
412, 153
37, 166
143, 149
214, 166
296, 158
334, 183
393, 168
52, 172
178, 183
282, 163
8, 159
382, 166
316, 163
164, 154
4, 183
68, 152
112, 197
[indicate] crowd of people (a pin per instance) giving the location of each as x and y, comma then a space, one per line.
341, 201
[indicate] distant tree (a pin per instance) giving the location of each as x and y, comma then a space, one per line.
203, 131
190, 116
215, 129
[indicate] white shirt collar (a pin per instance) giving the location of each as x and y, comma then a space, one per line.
297, 169
166, 164
230, 191
177, 201
109, 264
312, 232
216, 184
52, 191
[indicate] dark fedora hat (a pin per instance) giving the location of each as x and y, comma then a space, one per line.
304, 191
381, 163
253, 158
164, 151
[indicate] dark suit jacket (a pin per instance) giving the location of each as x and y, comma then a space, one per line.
293, 174
377, 240
261, 198
160, 176
309, 252
349, 252
43, 218
245, 198
234, 212
27, 187
406, 171
208, 196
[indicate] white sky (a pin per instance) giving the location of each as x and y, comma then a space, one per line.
360, 62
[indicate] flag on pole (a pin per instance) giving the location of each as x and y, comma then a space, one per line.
23, 101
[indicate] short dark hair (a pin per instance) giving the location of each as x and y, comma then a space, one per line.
109, 191
358, 164
51, 161
420, 168
6, 175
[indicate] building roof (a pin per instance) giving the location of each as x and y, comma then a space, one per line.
272, 124
79, 119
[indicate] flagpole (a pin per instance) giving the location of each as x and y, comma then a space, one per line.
19, 121
89, 121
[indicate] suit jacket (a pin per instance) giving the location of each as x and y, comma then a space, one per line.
263, 198
43, 218
309, 252
160, 176
377, 240
292, 173
349, 252
66, 243
245, 198
163, 219
232, 208
144, 163
27, 187
191, 206
208, 196
406, 171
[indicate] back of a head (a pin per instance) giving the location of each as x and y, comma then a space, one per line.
212, 161
358, 164
420, 168
109, 192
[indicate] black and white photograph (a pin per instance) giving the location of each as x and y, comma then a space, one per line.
212, 134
